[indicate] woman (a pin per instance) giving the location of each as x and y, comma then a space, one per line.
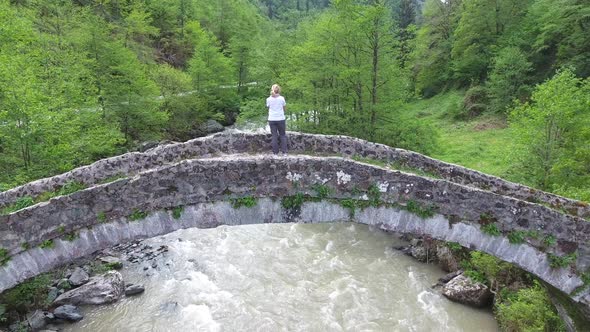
276, 119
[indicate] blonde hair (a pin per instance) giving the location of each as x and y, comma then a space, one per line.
275, 89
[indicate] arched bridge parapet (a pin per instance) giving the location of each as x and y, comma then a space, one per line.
235, 142
316, 189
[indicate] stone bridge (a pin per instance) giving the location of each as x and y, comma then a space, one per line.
230, 179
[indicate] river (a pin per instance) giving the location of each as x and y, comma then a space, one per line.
284, 277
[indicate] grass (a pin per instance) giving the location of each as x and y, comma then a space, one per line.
177, 212
481, 144
490, 229
4, 256
101, 217
26, 201
137, 215
517, 237
561, 261
248, 202
419, 210
47, 244
293, 202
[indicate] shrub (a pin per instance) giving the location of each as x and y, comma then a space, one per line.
491, 229
561, 261
177, 212
20, 204
137, 215
419, 210
529, 310
293, 202
408, 133
321, 190
517, 237
474, 103
47, 244
31, 293
70, 188
4, 256
244, 201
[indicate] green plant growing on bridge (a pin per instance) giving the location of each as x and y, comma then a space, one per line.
533, 234
113, 178
177, 212
4, 256
374, 195
61, 229
293, 202
491, 229
47, 244
322, 191
28, 294
25, 246
101, 217
248, 202
419, 210
529, 309
70, 236
586, 280
549, 240
20, 204
70, 188
454, 246
349, 204
137, 215
487, 218
517, 237
561, 261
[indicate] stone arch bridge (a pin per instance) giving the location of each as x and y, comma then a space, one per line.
215, 180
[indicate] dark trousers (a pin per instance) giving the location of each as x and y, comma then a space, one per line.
278, 130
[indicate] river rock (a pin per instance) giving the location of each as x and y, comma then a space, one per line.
79, 277
106, 288
446, 258
463, 290
68, 312
38, 319
52, 294
134, 289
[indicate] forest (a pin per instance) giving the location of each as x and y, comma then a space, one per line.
497, 85
500, 86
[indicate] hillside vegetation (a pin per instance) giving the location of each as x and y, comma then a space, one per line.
500, 86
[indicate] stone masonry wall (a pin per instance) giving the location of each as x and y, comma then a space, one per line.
239, 142
191, 182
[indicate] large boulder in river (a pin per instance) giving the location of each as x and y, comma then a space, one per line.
447, 260
106, 288
466, 291
79, 277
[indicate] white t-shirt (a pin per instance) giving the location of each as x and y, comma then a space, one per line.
275, 108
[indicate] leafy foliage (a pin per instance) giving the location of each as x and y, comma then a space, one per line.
552, 132
138, 215
529, 310
177, 212
248, 202
293, 202
491, 229
4, 256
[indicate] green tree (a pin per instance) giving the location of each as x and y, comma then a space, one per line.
552, 131
508, 77
432, 55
